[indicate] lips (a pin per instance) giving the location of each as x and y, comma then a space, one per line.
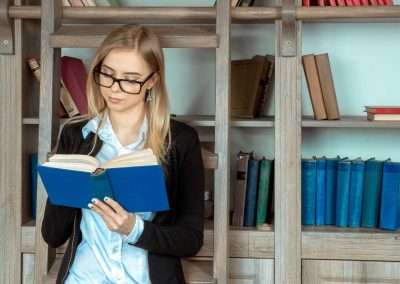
114, 100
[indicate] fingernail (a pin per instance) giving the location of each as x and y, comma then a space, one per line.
106, 198
90, 205
94, 200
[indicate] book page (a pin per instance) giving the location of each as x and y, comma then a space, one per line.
70, 166
137, 158
75, 161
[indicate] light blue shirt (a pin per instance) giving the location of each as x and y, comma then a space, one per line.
104, 256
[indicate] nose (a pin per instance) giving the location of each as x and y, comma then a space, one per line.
115, 87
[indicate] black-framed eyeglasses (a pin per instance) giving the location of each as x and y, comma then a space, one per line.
132, 87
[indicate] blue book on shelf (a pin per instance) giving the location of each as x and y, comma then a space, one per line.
331, 184
251, 192
356, 192
320, 196
33, 161
342, 192
390, 199
136, 188
372, 193
308, 190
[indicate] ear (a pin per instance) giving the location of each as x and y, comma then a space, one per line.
154, 80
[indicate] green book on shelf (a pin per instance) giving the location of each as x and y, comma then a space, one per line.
263, 190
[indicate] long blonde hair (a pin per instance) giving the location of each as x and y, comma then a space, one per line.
146, 43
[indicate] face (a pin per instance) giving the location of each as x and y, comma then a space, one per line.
130, 65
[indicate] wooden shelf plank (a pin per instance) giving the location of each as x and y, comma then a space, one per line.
91, 36
349, 121
198, 121
245, 242
330, 242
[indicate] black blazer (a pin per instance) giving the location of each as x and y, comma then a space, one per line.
172, 234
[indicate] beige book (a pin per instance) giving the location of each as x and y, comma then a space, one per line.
327, 86
314, 86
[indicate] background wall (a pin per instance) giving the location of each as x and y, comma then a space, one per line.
365, 61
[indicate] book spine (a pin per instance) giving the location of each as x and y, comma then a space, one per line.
331, 182
390, 201
251, 193
263, 190
356, 194
342, 197
308, 191
320, 197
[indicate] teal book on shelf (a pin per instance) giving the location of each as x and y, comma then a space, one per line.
372, 193
390, 199
308, 190
356, 192
136, 187
342, 193
320, 196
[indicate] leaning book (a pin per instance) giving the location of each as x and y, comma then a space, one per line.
135, 180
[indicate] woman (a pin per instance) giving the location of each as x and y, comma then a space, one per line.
128, 110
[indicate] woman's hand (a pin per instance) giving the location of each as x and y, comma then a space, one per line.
116, 218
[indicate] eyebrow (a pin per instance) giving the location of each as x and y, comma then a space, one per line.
127, 73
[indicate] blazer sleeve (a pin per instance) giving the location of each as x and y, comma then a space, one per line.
58, 220
185, 237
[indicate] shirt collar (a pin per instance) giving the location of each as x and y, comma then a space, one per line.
107, 134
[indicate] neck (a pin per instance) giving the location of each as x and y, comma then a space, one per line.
127, 122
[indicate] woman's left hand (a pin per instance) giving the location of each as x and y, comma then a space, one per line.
116, 218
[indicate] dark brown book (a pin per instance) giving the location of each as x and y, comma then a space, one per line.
242, 161
327, 86
246, 75
314, 86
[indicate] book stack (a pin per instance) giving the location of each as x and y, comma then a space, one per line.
323, 3
383, 113
253, 196
251, 85
321, 87
350, 192
73, 99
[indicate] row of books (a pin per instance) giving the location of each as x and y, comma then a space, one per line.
251, 85
253, 195
321, 88
72, 85
383, 113
90, 3
323, 3
351, 192
239, 3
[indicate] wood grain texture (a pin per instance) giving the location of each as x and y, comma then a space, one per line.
350, 272
287, 164
222, 142
10, 161
48, 123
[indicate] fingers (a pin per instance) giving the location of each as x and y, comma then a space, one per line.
115, 205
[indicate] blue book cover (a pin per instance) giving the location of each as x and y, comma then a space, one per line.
135, 188
356, 192
308, 190
390, 198
331, 185
372, 193
342, 192
33, 161
320, 196
251, 192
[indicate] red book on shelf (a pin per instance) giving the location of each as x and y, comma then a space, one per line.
306, 3
73, 74
332, 3
383, 109
364, 2
381, 2
321, 3
349, 2
357, 2
389, 2
374, 2
341, 3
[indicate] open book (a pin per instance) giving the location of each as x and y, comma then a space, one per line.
135, 180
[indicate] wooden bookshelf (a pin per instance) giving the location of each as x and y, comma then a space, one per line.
285, 254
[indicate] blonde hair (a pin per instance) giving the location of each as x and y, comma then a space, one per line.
146, 43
